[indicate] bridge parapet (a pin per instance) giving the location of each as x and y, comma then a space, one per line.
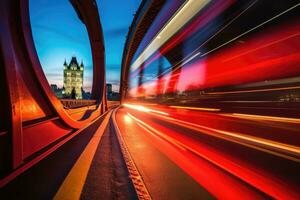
76, 103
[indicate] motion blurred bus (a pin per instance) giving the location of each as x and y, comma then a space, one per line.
237, 56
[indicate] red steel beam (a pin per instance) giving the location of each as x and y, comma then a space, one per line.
28, 98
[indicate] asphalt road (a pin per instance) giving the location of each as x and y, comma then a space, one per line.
183, 153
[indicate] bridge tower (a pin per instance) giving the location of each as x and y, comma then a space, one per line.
73, 78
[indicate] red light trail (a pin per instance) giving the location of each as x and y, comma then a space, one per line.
189, 153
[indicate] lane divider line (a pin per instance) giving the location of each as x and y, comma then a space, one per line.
136, 178
73, 184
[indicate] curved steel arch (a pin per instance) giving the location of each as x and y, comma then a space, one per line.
142, 20
88, 12
28, 103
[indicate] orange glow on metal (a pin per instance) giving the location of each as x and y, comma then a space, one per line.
143, 109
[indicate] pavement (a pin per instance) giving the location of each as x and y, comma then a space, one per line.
89, 166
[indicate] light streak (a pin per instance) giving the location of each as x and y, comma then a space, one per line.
252, 29
262, 117
178, 66
179, 19
200, 21
196, 108
249, 175
194, 54
246, 140
143, 109
240, 72
214, 35
3, 133
258, 90
263, 46
127, 119
191, 164
153, 131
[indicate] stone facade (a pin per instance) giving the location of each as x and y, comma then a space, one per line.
73, 79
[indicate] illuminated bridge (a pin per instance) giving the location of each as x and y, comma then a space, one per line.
210, 107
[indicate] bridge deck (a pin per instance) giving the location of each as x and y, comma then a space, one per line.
90, 166
93, 165
137, 154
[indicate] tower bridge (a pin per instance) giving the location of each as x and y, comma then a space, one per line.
209, 106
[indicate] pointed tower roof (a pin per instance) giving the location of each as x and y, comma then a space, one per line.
81, 64
73, 61
65, 63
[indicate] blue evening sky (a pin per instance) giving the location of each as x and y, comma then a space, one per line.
116, 17
59, 34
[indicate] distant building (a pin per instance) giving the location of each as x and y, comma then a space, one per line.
109, 91
53, 87
109, 87
73, 79
86, 95
111, 96
116, 96
58, 91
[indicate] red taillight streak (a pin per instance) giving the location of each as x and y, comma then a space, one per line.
254, 176
215, 180
233, 67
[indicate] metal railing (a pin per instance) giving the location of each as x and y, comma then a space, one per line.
76, 103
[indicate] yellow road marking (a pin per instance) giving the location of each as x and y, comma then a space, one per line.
72, 186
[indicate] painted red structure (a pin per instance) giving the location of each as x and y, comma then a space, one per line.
33, 121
